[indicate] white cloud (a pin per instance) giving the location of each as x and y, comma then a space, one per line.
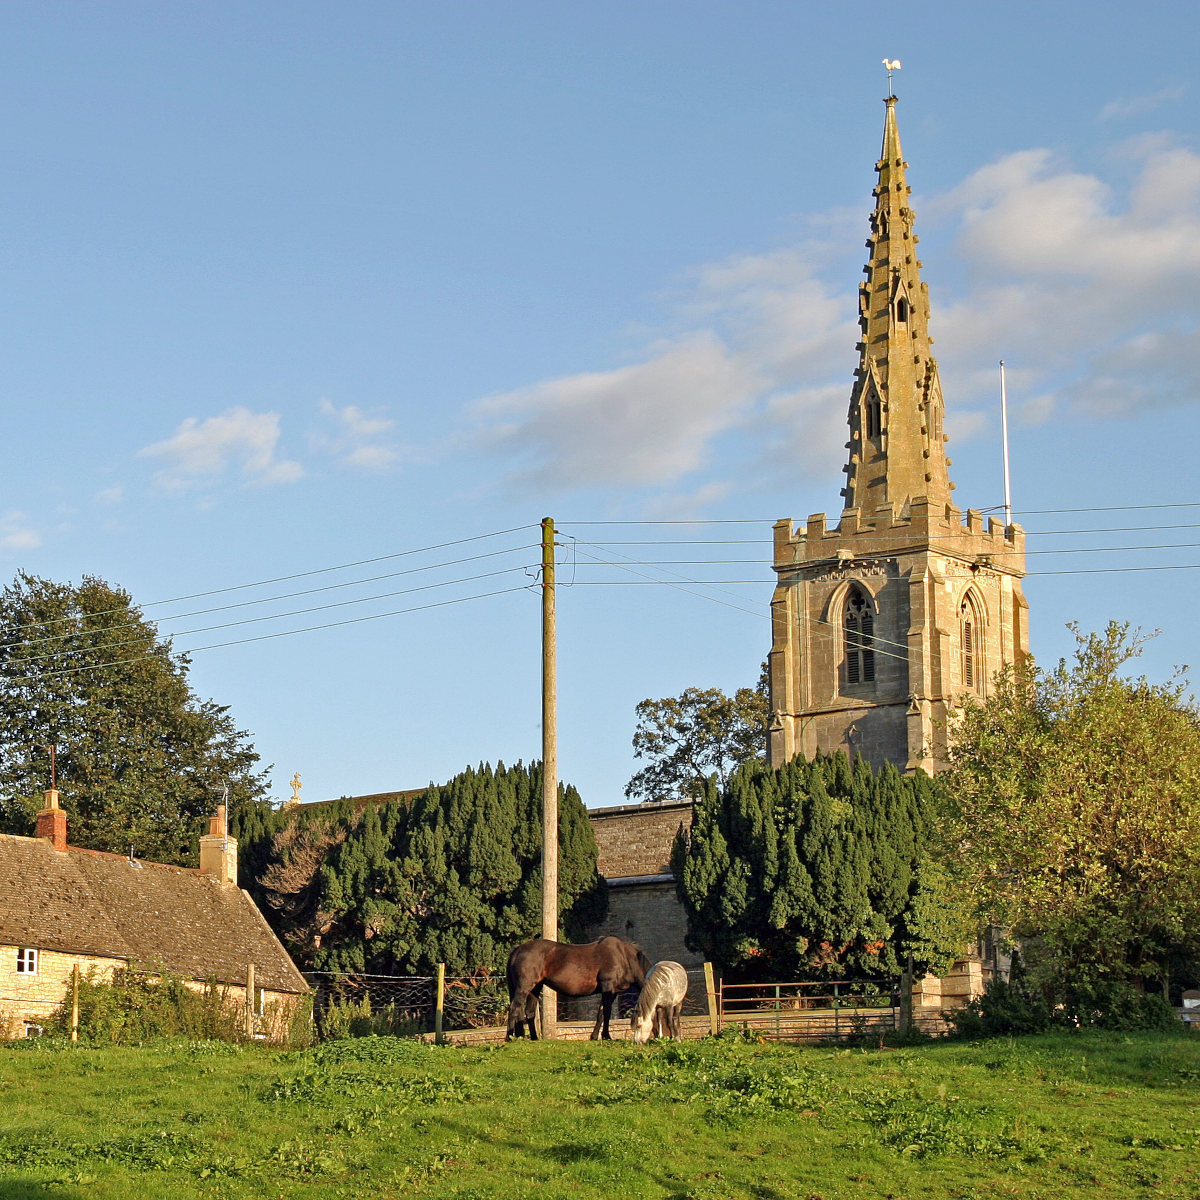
1137, 106
356, 438
1090, 292
16, 532
111, 495
1094, 294
646, 424
239, 441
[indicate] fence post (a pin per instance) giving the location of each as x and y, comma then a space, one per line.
250, 1000
439, 1003
75, 1002
711, 991
906, 999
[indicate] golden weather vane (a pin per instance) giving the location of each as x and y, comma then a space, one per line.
892, 64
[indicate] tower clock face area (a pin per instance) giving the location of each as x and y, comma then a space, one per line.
883, 622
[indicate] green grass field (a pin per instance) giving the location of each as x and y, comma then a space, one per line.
1086, 1115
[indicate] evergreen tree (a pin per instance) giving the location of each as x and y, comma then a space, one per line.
818, 867
141, 758
453, 876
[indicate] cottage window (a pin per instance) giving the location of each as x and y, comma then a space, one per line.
859, 627
27, 962
33, 1029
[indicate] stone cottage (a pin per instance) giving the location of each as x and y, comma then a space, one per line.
63, 907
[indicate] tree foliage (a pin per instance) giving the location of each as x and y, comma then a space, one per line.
140, 757
1078, 795
818, 868
699, 733
454, 876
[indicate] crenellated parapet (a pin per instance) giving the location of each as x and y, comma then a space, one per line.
946, 529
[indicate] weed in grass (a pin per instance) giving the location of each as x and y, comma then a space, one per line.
919, 1128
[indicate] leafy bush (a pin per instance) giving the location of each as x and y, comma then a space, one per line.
355, 1018
1013, 1008
136, 1006
1004, 1008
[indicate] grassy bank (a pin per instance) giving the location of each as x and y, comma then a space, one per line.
1067, 1116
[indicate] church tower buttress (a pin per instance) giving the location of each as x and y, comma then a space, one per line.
883, 623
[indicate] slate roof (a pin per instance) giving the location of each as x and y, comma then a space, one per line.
89, 902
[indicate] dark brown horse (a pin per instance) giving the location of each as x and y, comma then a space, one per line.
608, 966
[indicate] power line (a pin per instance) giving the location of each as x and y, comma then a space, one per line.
238, 587
281, 634
136, 623
305, 611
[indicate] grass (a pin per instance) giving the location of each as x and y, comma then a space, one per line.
1047, 1117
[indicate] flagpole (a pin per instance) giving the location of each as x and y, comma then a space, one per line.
1004, 443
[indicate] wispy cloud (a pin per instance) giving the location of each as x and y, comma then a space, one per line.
17, 532
357, 438
239, 442
1092, 294
1138, 106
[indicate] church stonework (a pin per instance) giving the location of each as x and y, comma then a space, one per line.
883, 623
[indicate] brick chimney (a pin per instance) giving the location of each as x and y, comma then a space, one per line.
218, 851
52, 821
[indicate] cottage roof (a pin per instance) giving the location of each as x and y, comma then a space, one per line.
90, 902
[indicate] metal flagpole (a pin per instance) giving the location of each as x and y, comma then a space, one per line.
1004, 441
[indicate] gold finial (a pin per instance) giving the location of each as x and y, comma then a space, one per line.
892, 64
296, 786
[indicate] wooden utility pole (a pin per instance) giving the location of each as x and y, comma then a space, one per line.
549, 768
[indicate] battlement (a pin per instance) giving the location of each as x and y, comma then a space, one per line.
889, 532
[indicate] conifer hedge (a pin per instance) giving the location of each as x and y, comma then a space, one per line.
819, 869
453, 875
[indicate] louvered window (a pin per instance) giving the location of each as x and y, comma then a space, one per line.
860, 639
971, 635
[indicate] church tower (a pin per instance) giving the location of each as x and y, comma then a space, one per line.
883, 623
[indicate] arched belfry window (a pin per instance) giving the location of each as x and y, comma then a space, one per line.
970, 627
859, 629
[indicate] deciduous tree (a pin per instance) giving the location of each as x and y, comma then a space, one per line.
700, 732
141, 758
1078, 793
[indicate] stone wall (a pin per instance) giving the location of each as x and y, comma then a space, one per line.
32, 998
636, 839
650, 914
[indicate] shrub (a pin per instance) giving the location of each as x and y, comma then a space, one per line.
355, 1018
136, 1006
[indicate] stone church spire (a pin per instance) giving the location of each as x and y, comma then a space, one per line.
884, 623
896, 443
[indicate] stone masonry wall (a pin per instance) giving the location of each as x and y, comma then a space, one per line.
636, 839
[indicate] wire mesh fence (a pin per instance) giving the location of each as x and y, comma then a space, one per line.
353, 1004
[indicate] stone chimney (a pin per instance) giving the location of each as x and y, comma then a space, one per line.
52, 821
218, 851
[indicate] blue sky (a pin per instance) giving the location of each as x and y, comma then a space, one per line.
288, 287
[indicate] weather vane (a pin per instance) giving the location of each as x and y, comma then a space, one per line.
892, 64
